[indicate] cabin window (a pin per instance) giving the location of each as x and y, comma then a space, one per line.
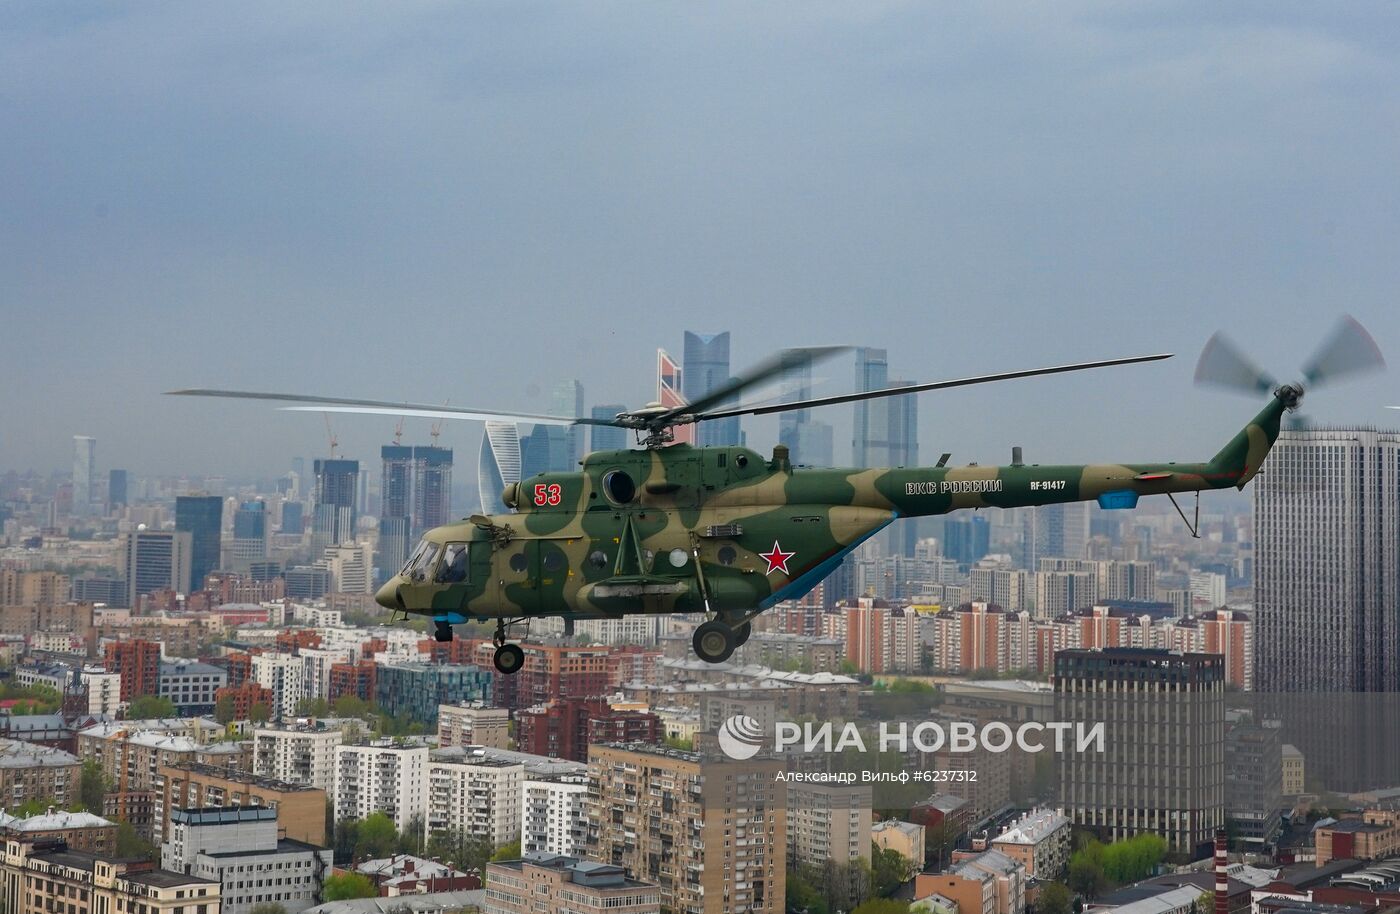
598, 558
553, 561
619, 486
518, 562
727, 555
421, 562
678, 558
741, 461
453, 569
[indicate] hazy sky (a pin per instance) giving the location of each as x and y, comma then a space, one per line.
456, 201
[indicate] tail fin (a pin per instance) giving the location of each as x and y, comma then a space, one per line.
1242, 457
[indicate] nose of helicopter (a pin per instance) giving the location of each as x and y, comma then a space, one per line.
388, 595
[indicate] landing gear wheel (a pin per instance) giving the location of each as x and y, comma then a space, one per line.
443, 631
714, 641
741, 633
509, 658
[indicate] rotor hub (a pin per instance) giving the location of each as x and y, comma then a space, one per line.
1291, 395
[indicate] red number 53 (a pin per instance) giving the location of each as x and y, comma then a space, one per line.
550, 494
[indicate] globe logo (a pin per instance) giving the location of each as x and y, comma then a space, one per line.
741, 737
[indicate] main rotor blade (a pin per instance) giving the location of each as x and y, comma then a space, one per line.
385, 408
933, 385
1349, 350
1222, 364
774, 365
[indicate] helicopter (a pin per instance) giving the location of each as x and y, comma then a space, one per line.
669, 527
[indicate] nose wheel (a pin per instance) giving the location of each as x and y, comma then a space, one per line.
714, 641
443, 631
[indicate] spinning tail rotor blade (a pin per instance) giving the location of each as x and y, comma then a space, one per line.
1222, 364
1350, 350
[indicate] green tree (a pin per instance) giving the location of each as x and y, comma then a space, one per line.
268, 907
131, 844
882, 906
347, 833
223, 710
889, 869
1086, 876
377, 837
351, 706
1054, 899
466, 852
411, 838
92, 787
802, 895
150, 707
313, 707
509, 851
345, 886
260, 713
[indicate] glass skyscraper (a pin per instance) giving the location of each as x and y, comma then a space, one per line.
202, 517
704, 367
498, 464
337, 490
606, 437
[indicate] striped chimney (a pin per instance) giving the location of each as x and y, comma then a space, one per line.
1222, 878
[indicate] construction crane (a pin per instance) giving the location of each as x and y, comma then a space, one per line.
335, 442
398, 431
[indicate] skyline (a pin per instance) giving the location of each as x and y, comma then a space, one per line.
289, 199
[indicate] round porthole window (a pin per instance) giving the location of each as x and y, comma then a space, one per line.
741, 461
518, 562
553, 561
619, 487
598, 558
678, 557
727, 555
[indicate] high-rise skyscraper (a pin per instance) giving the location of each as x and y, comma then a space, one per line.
545, 450
292, 520
1059, 531
705, 367
885, 432
432, 487
395, 508
966, 538
607, 437
116, 489
202, 517
1327, 546
567, 400
668, 393
337, 488
808, 440
498, 464
250, 528
155, 560
84, 474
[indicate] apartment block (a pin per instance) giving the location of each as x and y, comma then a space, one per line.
299, 754
474, 724
550, 882
301, 809
43, 877
552, 814
381, 776
477, 795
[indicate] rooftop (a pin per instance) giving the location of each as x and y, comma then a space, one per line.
17, 754
430, 903
1033, 827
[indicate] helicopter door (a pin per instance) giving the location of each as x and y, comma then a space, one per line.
517, 578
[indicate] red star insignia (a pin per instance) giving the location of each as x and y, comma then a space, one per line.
777, 559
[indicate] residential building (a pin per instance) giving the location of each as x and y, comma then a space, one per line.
432, 487
881, 638
334, 510
137, 662
104, 691
33, 588
80, 831
550, 882
473, 724
553, 818
301, 809
405, 874
711, 833
29, 772
239, 848
302, 753
1291, 776
475, 795
284, 675
1163, 716
1040, 840
39, 876
382, 776
986, 883
565, 728
904, 838
828, 822
355, 679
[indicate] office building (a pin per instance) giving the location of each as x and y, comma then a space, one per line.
202, 517
705, 368
40, 877
350, 567
432, 488
553, 817
190, 685
84, 474
155, 560
472, 794
250, 531
293, 522
416, 690
1254, 782
301, 808
334, 509
382, 776
498, 464
885, 433
395, 509
711, 833
566, 400
669, 395
551, 882
545, 450
116, 489
1163, 716
966, 538
239, 848
1293, 780
808, 440
1054, 531
607, 437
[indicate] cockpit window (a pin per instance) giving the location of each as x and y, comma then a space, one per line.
418, 566
453, 569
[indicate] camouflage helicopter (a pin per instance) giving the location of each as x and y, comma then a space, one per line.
672, 528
